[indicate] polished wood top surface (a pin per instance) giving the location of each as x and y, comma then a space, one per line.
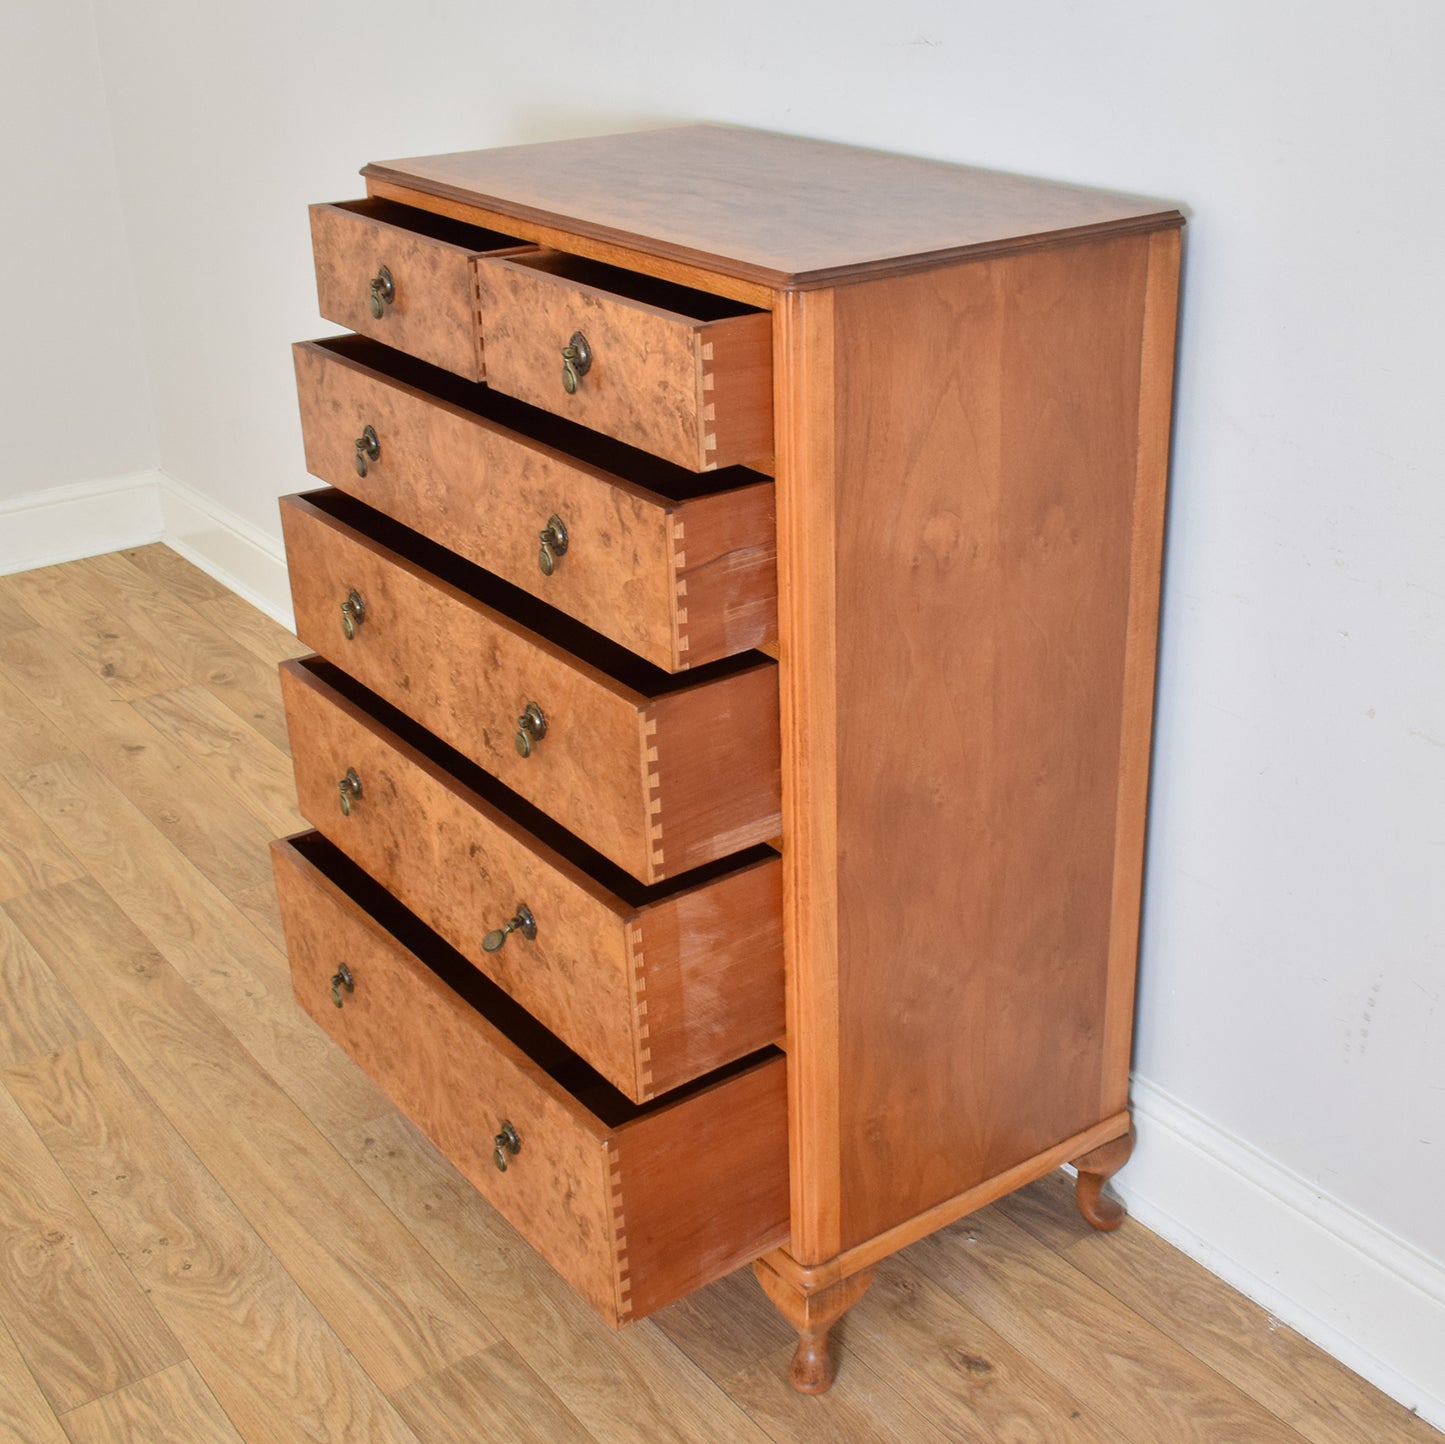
772, 208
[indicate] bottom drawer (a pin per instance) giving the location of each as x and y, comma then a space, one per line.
634, 1206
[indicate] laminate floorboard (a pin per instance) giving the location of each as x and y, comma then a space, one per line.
214, 1228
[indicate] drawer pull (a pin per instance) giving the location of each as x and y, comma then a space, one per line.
507, 1142
350, 790
531, 729
353, 614
522, 920
383, 292
554, 544
368, 449
341, 979
576, 362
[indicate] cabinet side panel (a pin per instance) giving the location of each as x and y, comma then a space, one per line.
987, 428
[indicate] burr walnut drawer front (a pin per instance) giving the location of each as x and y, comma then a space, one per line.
658, 776
634, 1206
406, 277
681, 373
675, 565
652, 986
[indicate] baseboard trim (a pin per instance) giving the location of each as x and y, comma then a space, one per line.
227, 547
1329, 1273
66, 523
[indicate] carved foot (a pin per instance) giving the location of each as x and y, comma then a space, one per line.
812, 1314
1102, 1210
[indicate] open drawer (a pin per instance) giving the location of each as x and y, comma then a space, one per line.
635, 1207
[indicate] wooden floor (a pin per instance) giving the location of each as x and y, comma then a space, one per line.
213, 1227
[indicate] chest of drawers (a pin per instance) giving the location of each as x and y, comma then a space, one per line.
735, 610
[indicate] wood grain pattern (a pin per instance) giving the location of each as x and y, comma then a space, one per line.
696, 391
467, 671
486, 490
772, 208
630, 1235
363, 1271
1225, 1331
652, 992
432, 313
203, 1268
984, 551
79, 1320
31, 856
710, 1368
172, 1407
39, 1016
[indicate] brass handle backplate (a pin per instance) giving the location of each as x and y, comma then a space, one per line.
368, 449
507, 1141
554, 544
531, 729
383, 292
341, 979
576, 362
522, 922
350, 790
353, 613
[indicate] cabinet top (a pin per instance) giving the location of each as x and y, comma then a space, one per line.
770, 208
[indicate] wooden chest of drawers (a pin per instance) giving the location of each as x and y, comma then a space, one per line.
728, 738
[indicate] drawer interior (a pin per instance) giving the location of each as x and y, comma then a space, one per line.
545, 1049
668, 480
549, 833
599, 651
648, 290
427, 223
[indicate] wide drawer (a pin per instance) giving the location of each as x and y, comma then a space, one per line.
658, 777
681, 373
652, 986
634, 1206
677, 566
406, 277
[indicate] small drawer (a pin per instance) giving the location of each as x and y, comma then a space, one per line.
677, 566
659, 773
681, 373
406, 277
635, 1207
652, 986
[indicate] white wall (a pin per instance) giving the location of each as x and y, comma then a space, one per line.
1293, 992
74, 405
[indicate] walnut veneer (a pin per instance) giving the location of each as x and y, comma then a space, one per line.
961, 383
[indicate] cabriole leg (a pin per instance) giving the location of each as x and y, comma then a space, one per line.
1102, 1210
812, 1314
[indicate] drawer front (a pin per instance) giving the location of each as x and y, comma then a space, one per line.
411, 290
657, 785
678, 583
652, 994
696, 391
634, 1209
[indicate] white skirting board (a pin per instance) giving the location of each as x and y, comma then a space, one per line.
1329, 1273
65, 523
1323, 1270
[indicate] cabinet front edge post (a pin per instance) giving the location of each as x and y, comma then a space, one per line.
804, 404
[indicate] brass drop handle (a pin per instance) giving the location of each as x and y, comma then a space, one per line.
522, 922
554, 540
507, 1142
368, 449
353, 614
383, 292
576, 362
350, 790
531, 729
341, 979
